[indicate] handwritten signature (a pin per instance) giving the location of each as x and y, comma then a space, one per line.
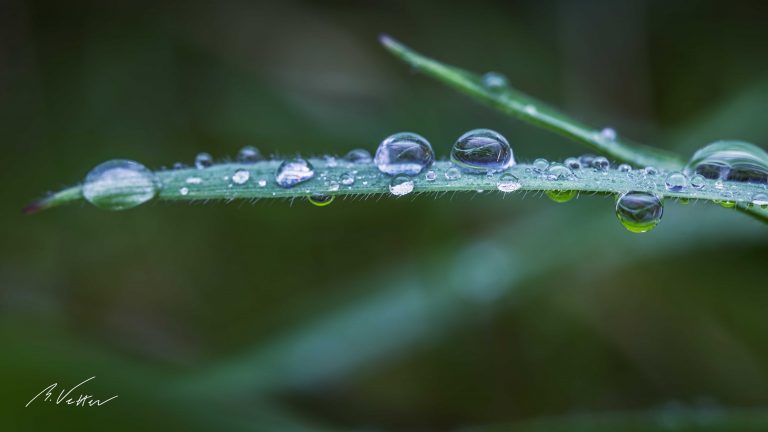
64, 396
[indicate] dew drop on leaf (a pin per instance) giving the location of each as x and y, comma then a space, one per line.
249, 154
731, 160
292, 172
203, 160
321, 200
639, 212
481, 151
401, 185
119, 184
508, 183
676, 182
241, 176
404, 153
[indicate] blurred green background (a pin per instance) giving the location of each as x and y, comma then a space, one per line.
384, 314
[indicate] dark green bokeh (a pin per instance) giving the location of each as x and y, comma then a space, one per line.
413, 314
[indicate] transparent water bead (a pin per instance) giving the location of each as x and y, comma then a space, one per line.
347, 179
731, 160
401, 185
430, 176
600, 163
241, 176
494, 80
119, 184
404, 153
760, 199
508, 183
572, 163
624, 168
650, 171
639, 212
676, 182
452, 173
293, 172
333, 186
608, 134
203, 160
184, 191
561, 196
558, 171
482, 151
321, 200
540, 164
249, 154
360, 156
698, 181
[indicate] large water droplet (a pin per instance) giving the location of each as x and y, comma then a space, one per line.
404, 153
481, 151
559, 196
508, 183
731, 160
241, 176
321, 200
676, 182
401, 185
203, 160
639, 212
249, 154
360, 156
119, 184
293, 172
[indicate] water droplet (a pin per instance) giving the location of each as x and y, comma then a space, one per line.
203, 160
639, 212
624, 168
184, 191
731, 160
719, 185
330, 161
194, 180
359, 156
241, 176
540, 164
119, 184
760, 199
249, 154
558, 171
178, 165
482, 151
650, 171
293, 172
608, 134
494, 80
586, 160
698, 181
333, 186
401, 185
600, 163
676, 181
321, 200
572, 163
404, 153
561, 196
430, 176
727, 203
508, 183
531, 110
347, 179
452, 173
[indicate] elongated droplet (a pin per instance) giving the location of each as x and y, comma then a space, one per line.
639, 212
293, 172
119, 184
241, 176
481, 151
321, 200
401, 185
404, 153
731, 160
249, 154
561, 196
508, 183
360, 156
203, 160
676, 182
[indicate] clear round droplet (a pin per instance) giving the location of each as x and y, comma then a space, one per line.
760, 199
481, 151
600, 163
572, 163
650, 171
293, 172
731, 160
249, 154
639, 212
203, 160
561, 196
494, 80
608, 134
401, 185
430, 176
184, 191
676, 181
452, 173
359, 156
321, 200
119, 184
540, 164
404, 153
698, 181
558, 171
624, 168
347, 179
241, 176
508, 183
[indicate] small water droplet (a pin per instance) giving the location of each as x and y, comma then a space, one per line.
572, 163
760, 199
561, 196
482, 151
178, 165
719, 185
194, 180
293, 172
639, 212
698, 181
203, 160
731, 160
430, 176
359, 156
531, 110
452, 173
241, 176
540, 164
608, 134
333, 186
184, 191
676, 181
119, 184
347, 179
624, 168
401, 185
727, 203
558, 171
650, 171
249, 154
600, 163
404, 153
494, 81
508, 183
321, 200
